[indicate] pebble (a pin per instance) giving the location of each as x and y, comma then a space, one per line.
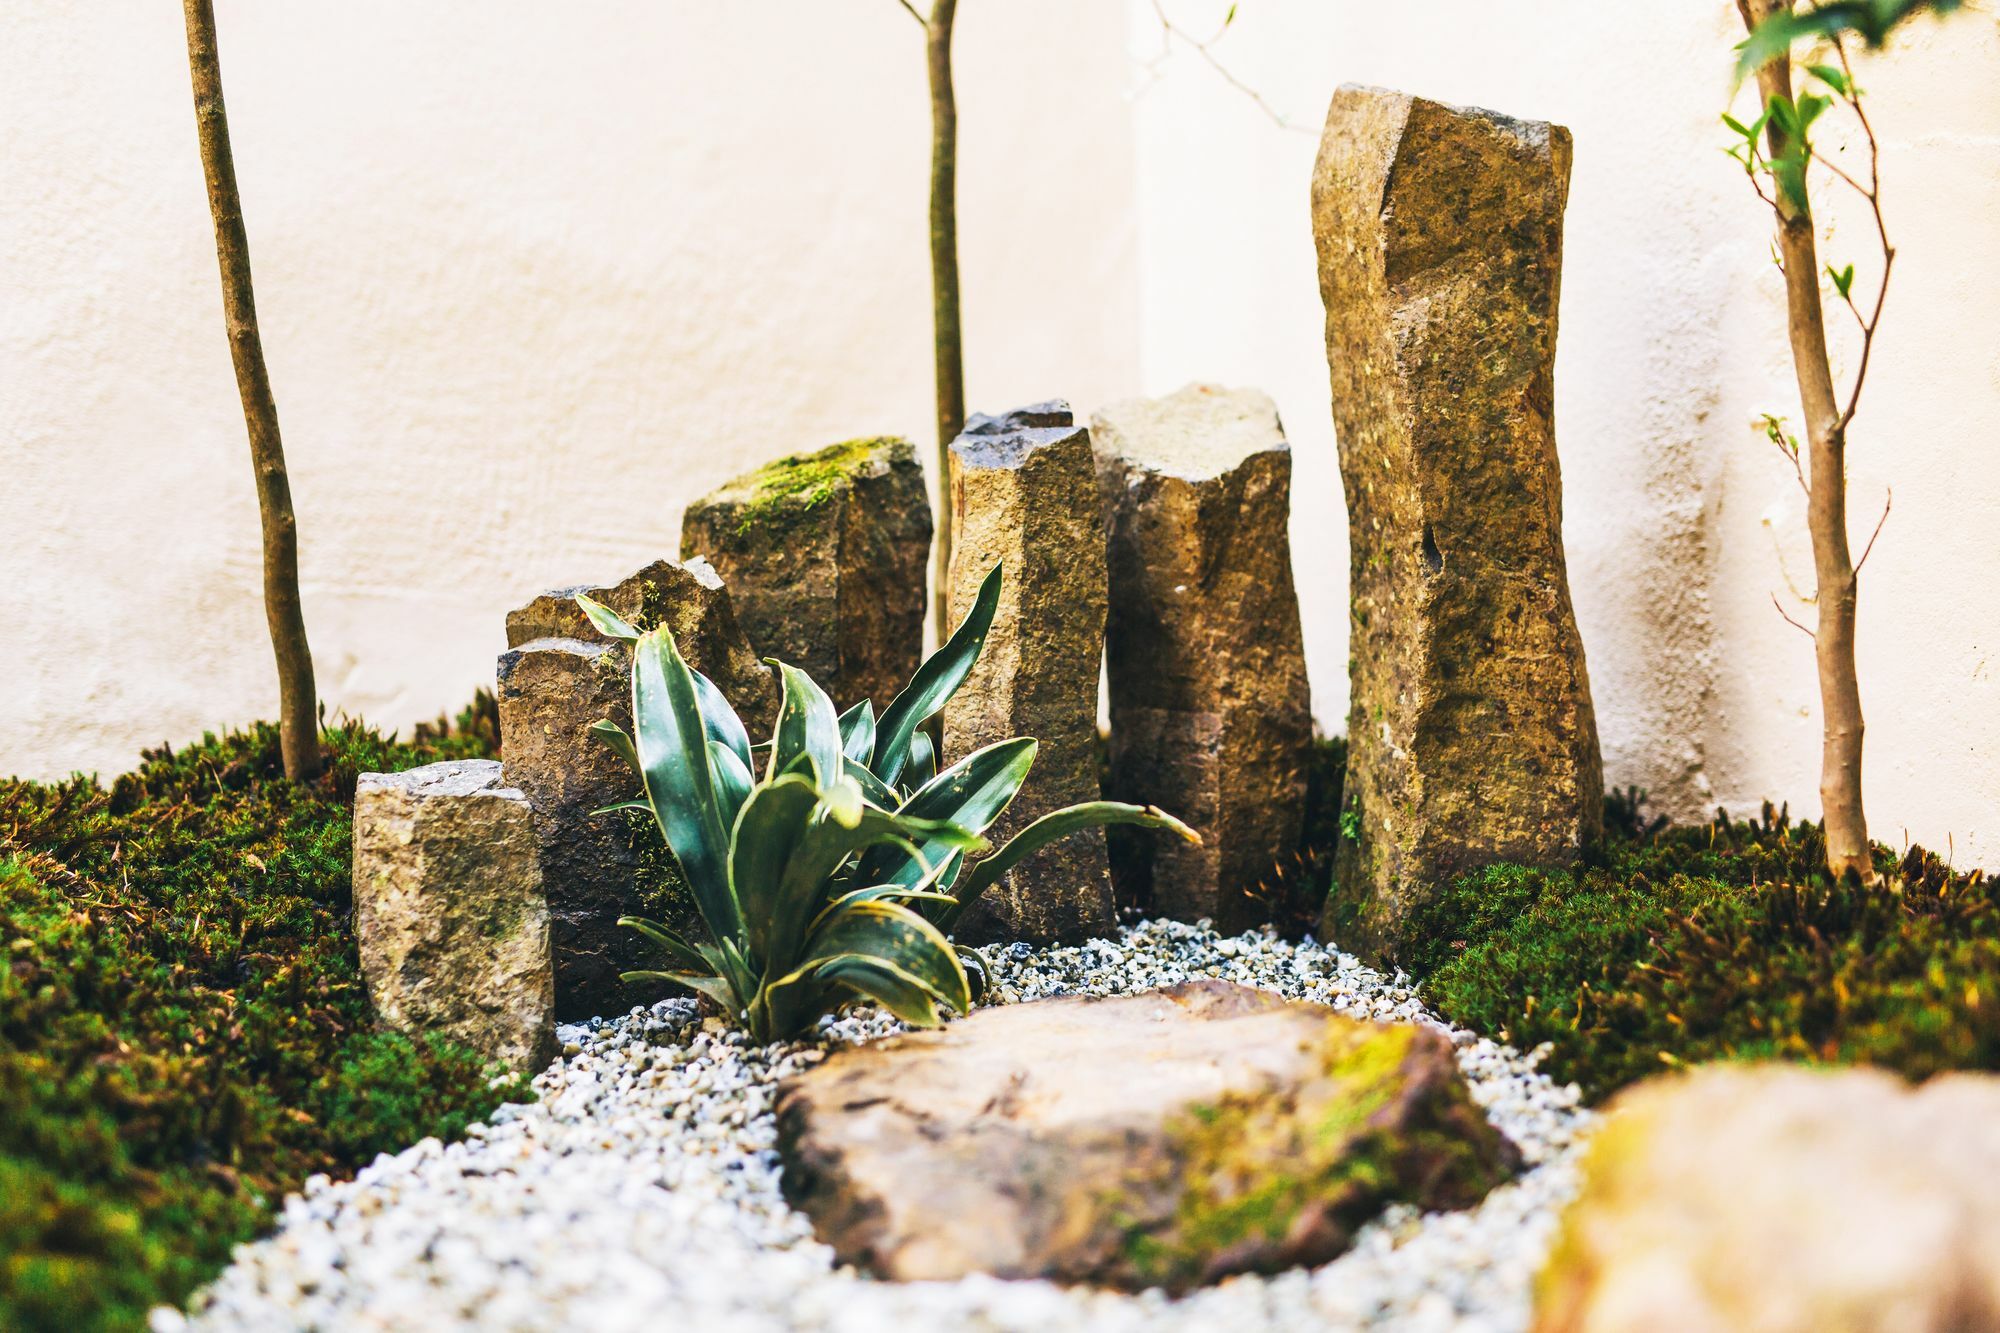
641, 1191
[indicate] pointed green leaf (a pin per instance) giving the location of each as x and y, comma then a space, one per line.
896, 936
769, 828
719, 720
923, 762
873, 789
614, 736
685, 955
808, 881
672, 749
857, 732
732, 781
935, 682
807, 728
607, 622
1832, 76
715, 988
886, 984
615, 806
1059, 824
971, 794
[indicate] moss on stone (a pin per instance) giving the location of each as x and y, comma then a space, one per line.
1250, 1170
803, 482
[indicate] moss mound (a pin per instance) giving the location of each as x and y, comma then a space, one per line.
184, 1032
1718, 942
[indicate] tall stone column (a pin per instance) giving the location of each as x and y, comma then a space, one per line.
825, 556
1470, 734
1024, 495
1210, 711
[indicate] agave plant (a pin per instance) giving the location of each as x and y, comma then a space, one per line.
836, 873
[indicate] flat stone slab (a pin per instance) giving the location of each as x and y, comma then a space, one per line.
1165, 1139
1785, 1200
449, 910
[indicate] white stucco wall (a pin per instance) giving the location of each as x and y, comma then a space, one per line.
1680, 521
532, 278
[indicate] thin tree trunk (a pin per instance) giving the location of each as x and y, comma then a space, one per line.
298, 728
950, 365
1826, 505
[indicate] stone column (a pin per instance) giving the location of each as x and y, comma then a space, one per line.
825, 555
449, 912
1470, 734
1024, 495
1210, 711
559, 676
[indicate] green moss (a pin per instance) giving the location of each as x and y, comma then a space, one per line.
1723, 941
184, 1033
803, 482
1250, 1169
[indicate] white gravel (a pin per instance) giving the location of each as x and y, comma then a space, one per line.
641, 1192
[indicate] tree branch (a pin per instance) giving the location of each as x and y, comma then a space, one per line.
911, 10
1874, 196
1789, 621
1888, 499
1204, 46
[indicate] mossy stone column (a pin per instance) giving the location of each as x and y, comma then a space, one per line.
1024, 496
825, 555
1471, 737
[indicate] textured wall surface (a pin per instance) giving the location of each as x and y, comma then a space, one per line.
532, 279
1680, 521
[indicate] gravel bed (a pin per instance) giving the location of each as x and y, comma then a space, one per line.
641, 1192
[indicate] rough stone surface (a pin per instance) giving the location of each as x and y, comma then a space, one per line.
1024, 496
1169, 1139
1771, 1199
449, 911
1210, 709
690, 597
560, 675
825, 555
550, 691
1471, 737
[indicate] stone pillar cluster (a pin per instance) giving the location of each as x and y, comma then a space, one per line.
1152, 544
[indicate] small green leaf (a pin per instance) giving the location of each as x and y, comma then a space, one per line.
857, 732
1843, 280
614, 736
608, 622
1832, 76
808, 729
685, 955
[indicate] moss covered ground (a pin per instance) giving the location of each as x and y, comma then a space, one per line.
184, 1032
1721, 941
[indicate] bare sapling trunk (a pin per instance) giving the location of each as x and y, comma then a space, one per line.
949, 349
297, 701
1825, 477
